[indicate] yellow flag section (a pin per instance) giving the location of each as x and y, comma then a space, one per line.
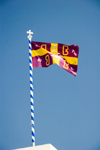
54, 51
54, 48
71, 60
39, 52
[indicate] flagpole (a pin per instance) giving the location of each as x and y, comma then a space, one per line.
31, 88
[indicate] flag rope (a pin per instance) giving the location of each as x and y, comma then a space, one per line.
31, 89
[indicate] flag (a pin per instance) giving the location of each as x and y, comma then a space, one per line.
46, 54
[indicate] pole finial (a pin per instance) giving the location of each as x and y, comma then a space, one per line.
29, 36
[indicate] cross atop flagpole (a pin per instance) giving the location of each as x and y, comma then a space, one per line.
31, 88
29, 36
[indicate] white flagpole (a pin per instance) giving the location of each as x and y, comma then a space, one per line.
31, 88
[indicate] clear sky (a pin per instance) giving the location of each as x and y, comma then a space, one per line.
67, 108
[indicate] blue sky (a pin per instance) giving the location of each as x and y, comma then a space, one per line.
67, 108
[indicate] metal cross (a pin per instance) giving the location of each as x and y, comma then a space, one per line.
29, 32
